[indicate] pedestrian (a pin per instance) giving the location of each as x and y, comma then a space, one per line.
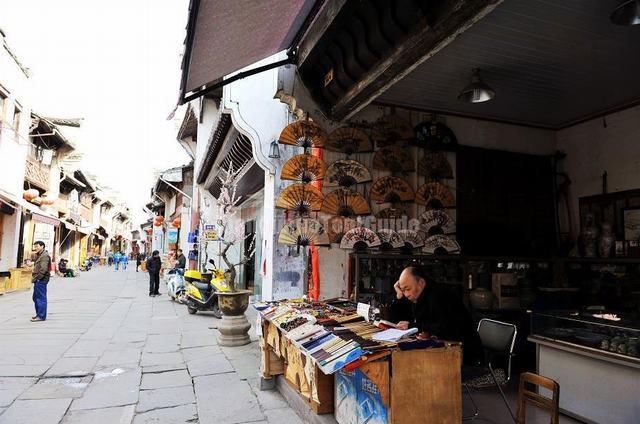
116, 260
138, 261
153, 266
124, 259
181, 260
109, 258
40, 278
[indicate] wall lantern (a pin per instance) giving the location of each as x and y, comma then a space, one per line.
274, 150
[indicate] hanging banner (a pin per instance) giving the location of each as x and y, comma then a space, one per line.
45, 233
172, 236
211, 232
157, 241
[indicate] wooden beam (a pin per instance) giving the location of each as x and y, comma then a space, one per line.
329, 11
456, 17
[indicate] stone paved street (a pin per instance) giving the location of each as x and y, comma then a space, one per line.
110, 354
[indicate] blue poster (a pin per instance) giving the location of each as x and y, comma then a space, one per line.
172, 236
357, 399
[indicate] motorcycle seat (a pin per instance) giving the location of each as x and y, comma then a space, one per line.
202, 286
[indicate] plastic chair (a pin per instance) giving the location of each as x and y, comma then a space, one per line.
498, 339
528, 396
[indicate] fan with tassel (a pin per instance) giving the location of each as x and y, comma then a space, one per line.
435, 196
303, 133
434, 135
302, 198
390, 239
349, 140
338, 226
435, 166
303, 168
411, 238
359, 238
391, 190
394, 159
303, 232
441, 244
345, 202
391, 129
437, 221
345, 173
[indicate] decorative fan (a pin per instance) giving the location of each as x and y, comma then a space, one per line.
440, 244
435, 196
349, 140
394, 159
411, 238
338, 225
435, 165
390, 129
346, 173
303, 134
434, 135
300, 197
391, 190
303, 168
389, 239
345, 202
358, 238
437, 222
392, 213
303, 232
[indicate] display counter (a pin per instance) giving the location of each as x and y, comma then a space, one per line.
20, 279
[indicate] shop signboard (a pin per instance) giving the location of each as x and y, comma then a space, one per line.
46, 233
211, 232
172, 236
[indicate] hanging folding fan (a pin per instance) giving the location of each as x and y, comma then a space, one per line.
391, 129
441, 244
349, 140
303, 232
338, 226
437, 222
303, 168
303, 134
346, 173
411, 238
345, 202
435, 196
435, 165
392, 213
394, 159
391, 190
358, 238
434, 135
302, 198
390, 239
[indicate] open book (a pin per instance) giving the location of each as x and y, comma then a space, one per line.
393, 334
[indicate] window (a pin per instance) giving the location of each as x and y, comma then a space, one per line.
16, 119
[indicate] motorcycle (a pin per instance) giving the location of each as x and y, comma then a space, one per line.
203, 295
174, 278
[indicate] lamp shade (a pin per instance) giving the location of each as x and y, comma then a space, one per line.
274, 150
477, 91
627, 13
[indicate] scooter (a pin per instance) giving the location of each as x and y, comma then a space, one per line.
174, 278
202, 295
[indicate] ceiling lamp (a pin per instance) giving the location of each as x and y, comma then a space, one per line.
477, 91
627, 13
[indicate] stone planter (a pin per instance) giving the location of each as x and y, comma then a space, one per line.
234, 326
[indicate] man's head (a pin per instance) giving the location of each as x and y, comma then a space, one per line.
412, 282
155, 253
38, 246
179, 252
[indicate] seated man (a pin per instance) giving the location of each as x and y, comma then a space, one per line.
435, 312
63, 270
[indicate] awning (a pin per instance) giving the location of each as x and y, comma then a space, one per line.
46, 219
85, 230
38, 214
224, 36
69, 226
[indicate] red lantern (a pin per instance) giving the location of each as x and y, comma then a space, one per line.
160, 219
30, 194
177, 222
157, 224
37, 200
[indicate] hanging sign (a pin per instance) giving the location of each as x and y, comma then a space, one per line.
172, 236
211, 232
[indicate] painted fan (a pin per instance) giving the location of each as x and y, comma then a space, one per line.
440, 244
303, 232
349, 140
303, 168
345, 202
391, 190
390, 239
435, 196
303, 134
359, 238
437, 222
338, 226
434, 135
300, 197
392, 213
435, 165
391, 129
394, 159
411, 238
346, 173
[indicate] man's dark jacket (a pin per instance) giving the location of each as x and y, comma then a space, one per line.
154, 264
41, 268
182, 261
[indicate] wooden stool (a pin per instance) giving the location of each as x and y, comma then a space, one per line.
527, 396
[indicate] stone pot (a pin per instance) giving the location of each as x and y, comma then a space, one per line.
481, 298
234, 326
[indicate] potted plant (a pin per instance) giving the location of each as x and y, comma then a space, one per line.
233, 303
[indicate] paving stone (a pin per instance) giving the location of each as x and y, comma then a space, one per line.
72, 366
176, 415
149, 359
164, 368
12, 387
164, 398
165, 379
23, 370
282, 415
119, 357
41, 411
225, 399
118, 388
86, 348
197, 339
215, 364
55, 388
117, 415
200, 352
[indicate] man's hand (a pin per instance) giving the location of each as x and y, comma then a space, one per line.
403, 325
399, 294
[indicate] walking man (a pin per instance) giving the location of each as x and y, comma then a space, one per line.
40, 278
153, 266
116, 259
124, 259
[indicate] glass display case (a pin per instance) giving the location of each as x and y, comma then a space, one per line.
601, 331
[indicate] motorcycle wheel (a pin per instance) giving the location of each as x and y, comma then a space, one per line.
216, 310
191, 310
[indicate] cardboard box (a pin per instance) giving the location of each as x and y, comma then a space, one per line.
505, 289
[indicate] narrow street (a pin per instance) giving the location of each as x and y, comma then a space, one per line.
108, 353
